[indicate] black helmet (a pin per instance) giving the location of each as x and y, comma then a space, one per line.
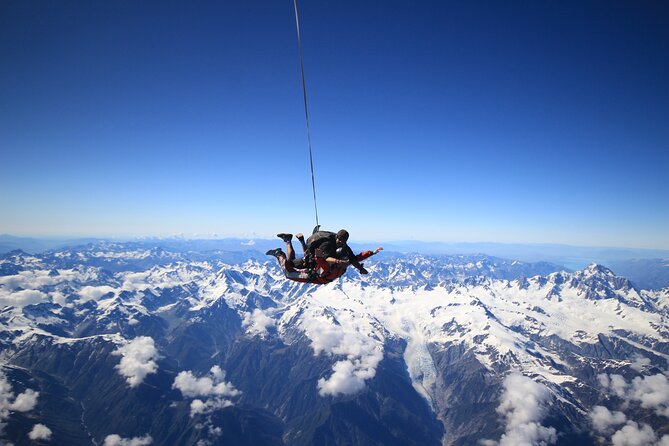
342, 234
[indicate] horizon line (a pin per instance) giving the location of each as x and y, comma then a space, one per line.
182, 237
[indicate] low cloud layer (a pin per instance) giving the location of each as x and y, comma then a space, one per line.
40, 432
344, 336
21, 298
135, 281
523, 405
27, 287
34, 279
212, 386
257, 322
616, 384
603, 420
650, 392
138, 360
95, 292
117, 440
634, 435
9, 402
639, 362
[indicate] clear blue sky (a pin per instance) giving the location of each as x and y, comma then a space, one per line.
530, 122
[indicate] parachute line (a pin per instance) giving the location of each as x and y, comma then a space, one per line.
306, 109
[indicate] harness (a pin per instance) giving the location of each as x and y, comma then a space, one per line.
313, 242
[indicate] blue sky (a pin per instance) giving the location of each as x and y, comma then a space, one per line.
524, 122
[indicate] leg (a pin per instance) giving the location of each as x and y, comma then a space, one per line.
300, 237
290, 251
291, 273
289, 245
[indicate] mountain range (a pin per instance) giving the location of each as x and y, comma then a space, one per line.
124, 343
647, 268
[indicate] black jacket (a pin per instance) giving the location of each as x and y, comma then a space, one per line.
324, 244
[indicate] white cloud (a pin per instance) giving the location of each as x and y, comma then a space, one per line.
257, 322
523, 405
249, 243
197, 406
13, 282
633, 435
215, 431
135, 281
652, 392
116, 440
138, 360
523, 400
529, 434
327, 336
40, 432
94, 292
343, 380
21, 298
35, 279
59, 298
603, 419
615, 383
350, 337
213, 385
639, 362
24, 402
349, 375
29, 280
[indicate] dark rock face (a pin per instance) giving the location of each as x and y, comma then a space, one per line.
284, 379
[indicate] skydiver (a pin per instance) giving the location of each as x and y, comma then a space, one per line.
326, 257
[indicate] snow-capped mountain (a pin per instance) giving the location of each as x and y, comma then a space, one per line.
115, 342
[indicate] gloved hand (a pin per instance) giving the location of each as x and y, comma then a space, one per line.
363, 270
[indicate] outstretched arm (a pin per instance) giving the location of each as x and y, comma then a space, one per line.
367, 254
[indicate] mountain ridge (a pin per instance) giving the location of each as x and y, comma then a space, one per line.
423, 350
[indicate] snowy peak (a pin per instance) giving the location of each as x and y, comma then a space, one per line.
599, 282
418, 271
429, 337
598, 270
